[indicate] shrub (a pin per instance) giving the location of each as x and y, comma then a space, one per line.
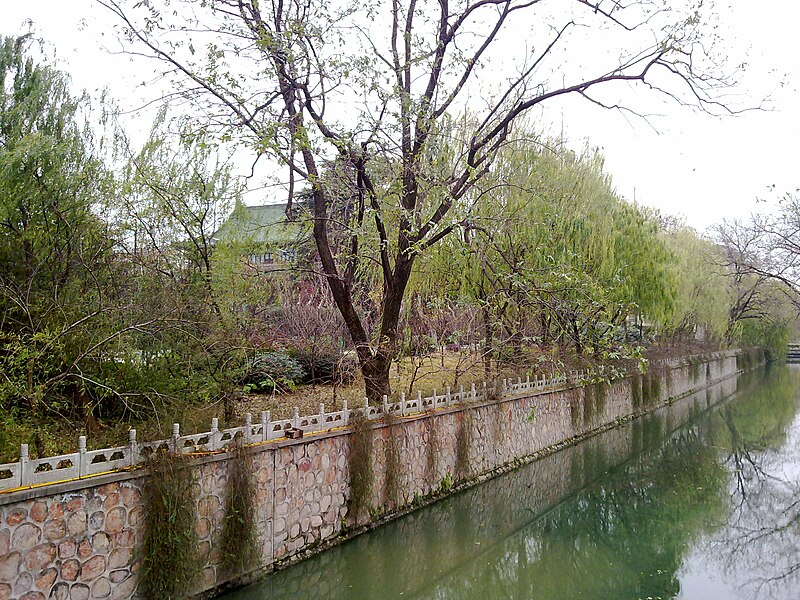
273, 372
326, 365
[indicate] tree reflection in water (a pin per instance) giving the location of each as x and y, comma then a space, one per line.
760, 543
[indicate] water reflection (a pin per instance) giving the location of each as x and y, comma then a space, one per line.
758, 547
686, 503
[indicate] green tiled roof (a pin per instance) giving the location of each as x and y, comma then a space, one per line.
264, 224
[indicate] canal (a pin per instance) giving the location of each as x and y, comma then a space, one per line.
689, 502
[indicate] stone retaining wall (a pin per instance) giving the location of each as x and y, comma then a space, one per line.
82, 539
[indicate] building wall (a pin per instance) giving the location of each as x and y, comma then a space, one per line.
82, 539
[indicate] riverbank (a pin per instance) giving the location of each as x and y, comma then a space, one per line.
687, 501
320, 489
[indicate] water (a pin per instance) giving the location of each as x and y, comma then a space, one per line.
688, 503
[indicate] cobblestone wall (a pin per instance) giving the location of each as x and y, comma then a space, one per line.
82, 539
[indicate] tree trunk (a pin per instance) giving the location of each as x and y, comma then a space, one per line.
376, 377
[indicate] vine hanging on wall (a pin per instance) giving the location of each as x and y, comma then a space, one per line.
391, 440
169, 551
238, 540
359, 462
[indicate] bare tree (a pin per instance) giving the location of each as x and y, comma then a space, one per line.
761, 258
380, 86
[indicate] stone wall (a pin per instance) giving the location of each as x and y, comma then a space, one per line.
82, 539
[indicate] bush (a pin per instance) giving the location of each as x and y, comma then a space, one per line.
326, 365
273, 372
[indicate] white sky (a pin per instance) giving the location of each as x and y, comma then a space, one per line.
692, 164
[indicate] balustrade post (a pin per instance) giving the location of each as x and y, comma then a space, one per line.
264, 425
81, 455
24, 476
133, 448
215, 437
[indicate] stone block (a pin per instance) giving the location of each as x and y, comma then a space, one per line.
101, 588
85, 549
77, 522
119, 575
26, 536
60, 591
93, 568
55, 529
101, 542
40, 557
24, 583
73, 502
125, 589
121, 557
79, 591
115, 520
96, 520
70, 569
125, 538
130, 495
16, 516
9, 566
46, 578
39, 511
56, 510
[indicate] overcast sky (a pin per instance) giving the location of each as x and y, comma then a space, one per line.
702, 167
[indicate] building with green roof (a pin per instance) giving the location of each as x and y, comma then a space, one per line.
267, 237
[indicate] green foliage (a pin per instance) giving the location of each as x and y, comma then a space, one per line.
447, 482
557, 257
169, 550
238, 539
273, 371
59, 307
702, 294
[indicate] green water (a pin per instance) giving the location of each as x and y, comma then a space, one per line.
689, 502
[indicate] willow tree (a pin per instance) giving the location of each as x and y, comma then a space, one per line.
703, 296
558, 256
369, 84
58, 308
